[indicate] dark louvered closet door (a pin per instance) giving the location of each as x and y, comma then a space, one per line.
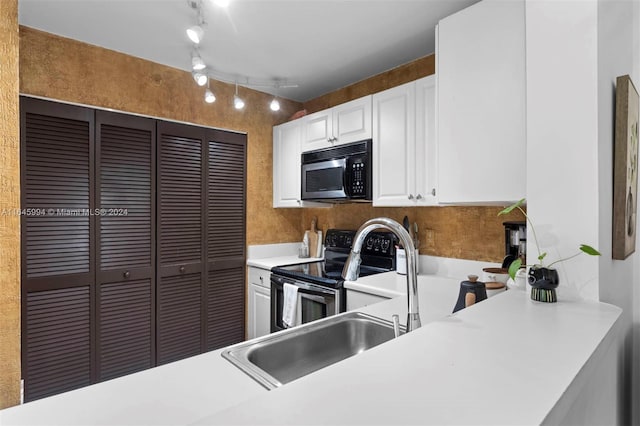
181, 241
226, 199
57, 255
125, 168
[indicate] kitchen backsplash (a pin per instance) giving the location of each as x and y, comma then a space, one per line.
471, 232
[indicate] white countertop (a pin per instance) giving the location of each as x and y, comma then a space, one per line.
480, 365
270, 262
506, 360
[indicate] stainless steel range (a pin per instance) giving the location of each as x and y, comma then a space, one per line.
319, 285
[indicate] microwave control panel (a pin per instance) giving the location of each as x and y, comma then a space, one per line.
358, 178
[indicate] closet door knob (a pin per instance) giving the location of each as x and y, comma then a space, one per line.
419, 197
182, 269
411, 196
127, 274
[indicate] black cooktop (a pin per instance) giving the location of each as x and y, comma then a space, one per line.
323, 272
378, 255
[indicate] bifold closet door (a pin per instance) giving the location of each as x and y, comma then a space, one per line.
125, 223
181, 241
57, 247
226, 235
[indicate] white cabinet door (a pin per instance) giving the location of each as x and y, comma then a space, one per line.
480, 71
317, 130
259, 302
286, 164
394, 181
345, 123
426, 146
352, 121
261, 311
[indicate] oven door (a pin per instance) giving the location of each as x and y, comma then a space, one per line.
324, 180
314, 302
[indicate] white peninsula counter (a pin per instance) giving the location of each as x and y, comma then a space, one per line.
506, 360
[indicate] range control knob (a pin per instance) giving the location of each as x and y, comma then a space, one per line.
369, 243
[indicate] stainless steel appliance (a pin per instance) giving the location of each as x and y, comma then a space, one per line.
320, 291
340, 173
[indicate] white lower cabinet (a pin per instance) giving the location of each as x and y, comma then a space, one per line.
259, 303
357, 299
404, 145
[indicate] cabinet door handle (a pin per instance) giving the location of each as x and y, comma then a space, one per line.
433, 192
182, 269
419, 197
127, 274
411, 196
261, 280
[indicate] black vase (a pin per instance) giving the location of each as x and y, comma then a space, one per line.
543, 283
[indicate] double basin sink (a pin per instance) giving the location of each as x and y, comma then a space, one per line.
282, 357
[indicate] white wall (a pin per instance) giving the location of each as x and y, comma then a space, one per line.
575, 50
616, 23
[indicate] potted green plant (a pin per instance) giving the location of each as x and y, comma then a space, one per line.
543, 279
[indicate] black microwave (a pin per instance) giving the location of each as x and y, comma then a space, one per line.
339, 173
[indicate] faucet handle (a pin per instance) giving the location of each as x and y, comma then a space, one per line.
396, 324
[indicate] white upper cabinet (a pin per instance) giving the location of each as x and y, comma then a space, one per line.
286, 164
345, 123
404, 145
287, 139
480, 71
426, 143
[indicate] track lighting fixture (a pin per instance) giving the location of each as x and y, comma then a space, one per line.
209, 97
200, 78
201, 72
237, 102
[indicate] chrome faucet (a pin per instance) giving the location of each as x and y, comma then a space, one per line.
351, 267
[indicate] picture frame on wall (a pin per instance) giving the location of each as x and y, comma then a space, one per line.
625, 169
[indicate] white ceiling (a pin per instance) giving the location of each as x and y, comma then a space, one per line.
320, 45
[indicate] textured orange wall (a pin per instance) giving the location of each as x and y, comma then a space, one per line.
67, 70
9, 201
461, 232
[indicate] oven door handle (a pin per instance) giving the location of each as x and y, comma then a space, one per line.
279, 281
313, 288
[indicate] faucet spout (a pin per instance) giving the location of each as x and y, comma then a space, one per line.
351, 267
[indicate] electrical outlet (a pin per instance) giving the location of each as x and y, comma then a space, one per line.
431, 238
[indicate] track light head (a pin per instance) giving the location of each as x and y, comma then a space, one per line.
274, 105
197, 64
209, 97
200, 78
195, 34
237, 102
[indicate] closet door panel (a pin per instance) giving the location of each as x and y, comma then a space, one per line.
57, 250
125, 216
181, 241
226, 238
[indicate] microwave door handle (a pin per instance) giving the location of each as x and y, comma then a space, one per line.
345, 184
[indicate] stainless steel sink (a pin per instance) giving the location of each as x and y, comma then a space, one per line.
280, 358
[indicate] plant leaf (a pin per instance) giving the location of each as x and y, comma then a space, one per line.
542, 256
513, 268
512, 207
589, 250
